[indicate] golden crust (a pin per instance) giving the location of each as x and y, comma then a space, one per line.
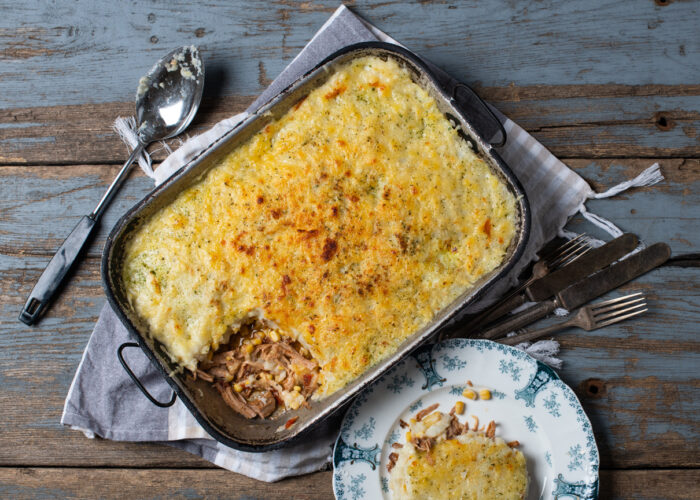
349, 223
470, 466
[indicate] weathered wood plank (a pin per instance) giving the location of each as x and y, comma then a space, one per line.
41, 205
650, 484
647, 415
157, 483
73, 52
34, 196
596, 80
38, 482
573, 121
83, 133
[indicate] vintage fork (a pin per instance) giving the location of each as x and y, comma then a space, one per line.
590, 317
556, 259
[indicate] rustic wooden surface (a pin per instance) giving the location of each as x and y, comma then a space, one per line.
610, 87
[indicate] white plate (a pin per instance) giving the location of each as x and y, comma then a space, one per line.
530, 404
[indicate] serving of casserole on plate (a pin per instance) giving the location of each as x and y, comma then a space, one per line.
310, 253
481, 420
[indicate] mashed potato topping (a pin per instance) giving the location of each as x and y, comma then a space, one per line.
348, 224
445, 460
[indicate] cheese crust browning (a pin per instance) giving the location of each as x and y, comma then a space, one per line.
348, 224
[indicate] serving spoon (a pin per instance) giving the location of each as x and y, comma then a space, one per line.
167, 99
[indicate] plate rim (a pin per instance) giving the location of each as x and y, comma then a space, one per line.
582, 417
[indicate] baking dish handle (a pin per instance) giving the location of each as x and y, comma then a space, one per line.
475, 107
137, 381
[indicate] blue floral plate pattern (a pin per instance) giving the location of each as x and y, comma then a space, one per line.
529, 403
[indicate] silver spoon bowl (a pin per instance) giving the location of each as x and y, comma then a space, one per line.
169, 95
167, 99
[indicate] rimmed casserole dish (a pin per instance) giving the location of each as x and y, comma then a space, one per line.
201, 399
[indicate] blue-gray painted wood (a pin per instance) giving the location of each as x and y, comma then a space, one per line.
572, 121
73, 52
656, 355
648, 417
591, 80
31, 196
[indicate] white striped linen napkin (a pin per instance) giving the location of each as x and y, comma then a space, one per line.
103, 401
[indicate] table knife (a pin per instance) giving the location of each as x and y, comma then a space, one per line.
587, 289
547, 286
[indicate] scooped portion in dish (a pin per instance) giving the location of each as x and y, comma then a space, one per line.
444, 459
349, 223
261, 370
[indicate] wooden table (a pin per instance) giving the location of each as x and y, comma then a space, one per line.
609, 87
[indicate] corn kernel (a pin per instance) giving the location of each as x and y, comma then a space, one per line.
469, 394
459, 407
408, 436
248, 348
237, 387
413, 420
485, 394
297, 388
257, 341
274, 336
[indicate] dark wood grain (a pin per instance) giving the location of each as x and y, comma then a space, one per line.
573, 121
78, 52
36, 482
159, 483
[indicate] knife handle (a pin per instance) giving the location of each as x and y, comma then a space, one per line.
519, 320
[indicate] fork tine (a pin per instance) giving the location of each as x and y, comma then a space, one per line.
597, 311
569, 252
617, 312
561, 248
621, 318
579, 253
615, 300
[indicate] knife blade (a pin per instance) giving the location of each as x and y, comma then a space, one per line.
547, 286
587, 289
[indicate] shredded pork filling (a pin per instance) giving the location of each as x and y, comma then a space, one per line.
260, 370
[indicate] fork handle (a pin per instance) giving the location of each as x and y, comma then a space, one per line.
501, 309
536, 334
520, 320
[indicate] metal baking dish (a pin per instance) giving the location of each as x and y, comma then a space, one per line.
201, 399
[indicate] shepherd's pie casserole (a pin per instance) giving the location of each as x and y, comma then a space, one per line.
344, 227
